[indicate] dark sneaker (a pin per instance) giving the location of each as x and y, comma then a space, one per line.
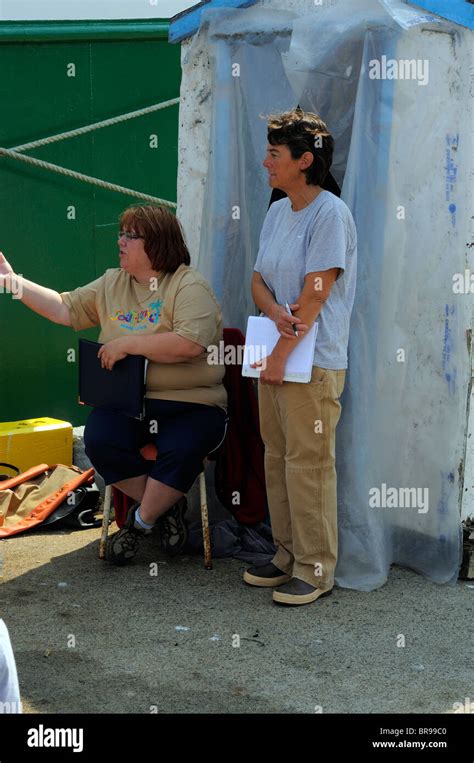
123, 546
297, 591
266, 575
173, 529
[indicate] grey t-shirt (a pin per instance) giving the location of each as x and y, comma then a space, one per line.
319, 237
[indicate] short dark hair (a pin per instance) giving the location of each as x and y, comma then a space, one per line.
303, 131
162, 233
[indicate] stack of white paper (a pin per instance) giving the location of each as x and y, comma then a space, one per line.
262, 336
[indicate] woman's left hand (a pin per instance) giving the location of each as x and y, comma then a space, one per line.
112, 351
273, 370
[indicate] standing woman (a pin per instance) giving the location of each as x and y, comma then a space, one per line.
307, 258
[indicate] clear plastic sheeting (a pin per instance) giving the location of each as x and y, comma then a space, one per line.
248, 81
323, 67
403, 155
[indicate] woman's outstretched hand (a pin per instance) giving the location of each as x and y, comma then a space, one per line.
284, 321
113, 351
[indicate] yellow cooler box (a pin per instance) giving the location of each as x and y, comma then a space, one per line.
35, 441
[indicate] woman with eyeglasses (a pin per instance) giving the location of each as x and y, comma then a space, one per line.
157, 306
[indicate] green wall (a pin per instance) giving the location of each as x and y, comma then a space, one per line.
120, 67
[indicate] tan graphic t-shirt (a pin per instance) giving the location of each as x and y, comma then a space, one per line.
182, 302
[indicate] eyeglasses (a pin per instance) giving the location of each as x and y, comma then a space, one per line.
129, 236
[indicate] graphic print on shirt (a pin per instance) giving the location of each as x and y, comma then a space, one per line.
138, 320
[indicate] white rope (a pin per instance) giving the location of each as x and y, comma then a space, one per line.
95, 126
85, 178
13, 153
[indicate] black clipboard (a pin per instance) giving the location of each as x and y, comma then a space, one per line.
121, 390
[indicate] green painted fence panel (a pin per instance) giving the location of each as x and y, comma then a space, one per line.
56, 230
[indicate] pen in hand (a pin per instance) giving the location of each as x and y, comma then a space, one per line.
295, 330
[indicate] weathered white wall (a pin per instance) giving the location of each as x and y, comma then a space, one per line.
195, 111
467, 505
468, 492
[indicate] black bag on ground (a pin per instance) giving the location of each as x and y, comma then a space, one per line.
77, 512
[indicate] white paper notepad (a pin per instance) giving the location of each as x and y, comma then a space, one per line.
262, 336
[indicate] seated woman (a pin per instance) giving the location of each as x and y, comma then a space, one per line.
154, 305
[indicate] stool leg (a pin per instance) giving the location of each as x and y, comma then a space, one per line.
105, 520
205, 523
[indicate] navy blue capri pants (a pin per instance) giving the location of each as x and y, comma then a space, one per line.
187, 433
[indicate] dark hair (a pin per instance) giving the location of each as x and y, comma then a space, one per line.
162, 233
303, 131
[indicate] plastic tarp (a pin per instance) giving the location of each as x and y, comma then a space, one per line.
403, 157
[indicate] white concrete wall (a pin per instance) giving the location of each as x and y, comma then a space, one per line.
37, 10
467, 505
195, 110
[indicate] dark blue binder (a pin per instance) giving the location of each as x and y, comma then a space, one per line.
121, 390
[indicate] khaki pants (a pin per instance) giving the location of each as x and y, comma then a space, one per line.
298, 425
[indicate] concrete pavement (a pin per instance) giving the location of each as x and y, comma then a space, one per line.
90, 637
